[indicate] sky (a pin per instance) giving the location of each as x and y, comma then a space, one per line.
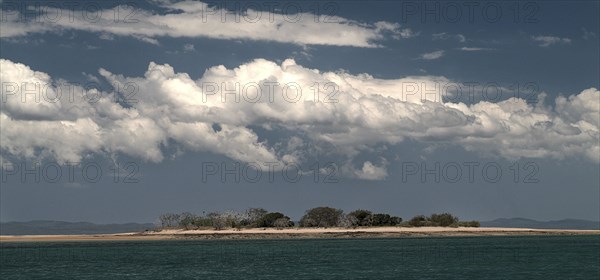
118, 111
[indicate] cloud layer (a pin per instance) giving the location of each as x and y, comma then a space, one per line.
197, 19
222, 111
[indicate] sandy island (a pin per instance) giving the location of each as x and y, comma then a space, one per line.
272, 233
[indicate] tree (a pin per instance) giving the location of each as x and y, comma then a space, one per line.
186, 220
217, 220
443, 220
362, 217
283, 223
418, 221
234, 219
381, 219
201, 221
269, 219
386, 220
321, 217
169, 220
395, 220
348, 221
307, 222
254, 215
367, 218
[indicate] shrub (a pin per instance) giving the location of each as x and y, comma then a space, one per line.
443, 220
418, 221
468, 224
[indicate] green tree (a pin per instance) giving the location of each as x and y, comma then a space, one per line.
186, 220
386, 220
363, 217
443, 220
418, 221
201, 221
217, 220
321, 217
269, 219
395, 220
348, 221
254, 216
380, 219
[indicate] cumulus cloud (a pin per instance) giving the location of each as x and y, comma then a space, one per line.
45, 118
191, 19
432, 55
369, 171
546, 41
219, 113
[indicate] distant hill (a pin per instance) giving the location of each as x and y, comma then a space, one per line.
58, 227
529, 223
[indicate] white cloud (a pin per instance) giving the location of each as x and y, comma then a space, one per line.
587, 34
406, 33
394, 28
173, 109
189, 48
196, 19
369, 171
106, 36
67, 129
90, 77
475, 49
546, 41
432, 55
445, 36
148, 40
12, 26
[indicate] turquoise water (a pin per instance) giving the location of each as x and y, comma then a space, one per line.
523, 257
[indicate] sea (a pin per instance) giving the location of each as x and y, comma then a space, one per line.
499, 257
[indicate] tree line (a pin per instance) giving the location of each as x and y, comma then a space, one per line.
315, 217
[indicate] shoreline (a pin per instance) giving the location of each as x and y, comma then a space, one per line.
296, 233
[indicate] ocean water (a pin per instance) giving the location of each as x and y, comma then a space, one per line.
515, 257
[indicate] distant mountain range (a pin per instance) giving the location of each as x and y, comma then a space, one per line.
529, 223
58, 227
